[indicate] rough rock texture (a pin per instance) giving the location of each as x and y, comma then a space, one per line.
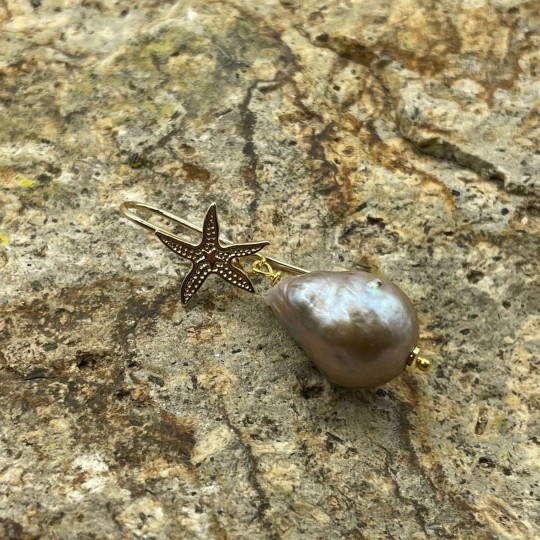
398, 134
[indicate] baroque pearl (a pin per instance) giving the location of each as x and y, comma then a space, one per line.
358, 328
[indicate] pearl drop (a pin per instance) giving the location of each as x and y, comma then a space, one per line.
358, 328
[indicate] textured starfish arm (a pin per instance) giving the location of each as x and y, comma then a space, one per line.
211, 227
192, 283
243, 250
185, 250
236, 277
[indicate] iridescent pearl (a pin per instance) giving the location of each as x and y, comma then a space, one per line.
358, 328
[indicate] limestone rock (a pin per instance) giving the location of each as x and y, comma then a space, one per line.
401, 135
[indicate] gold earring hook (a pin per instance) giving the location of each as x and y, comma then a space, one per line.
125, 210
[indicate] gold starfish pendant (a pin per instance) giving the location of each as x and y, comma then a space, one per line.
210, 257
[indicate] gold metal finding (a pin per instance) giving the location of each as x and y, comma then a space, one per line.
262, 267
259, 267
419, 362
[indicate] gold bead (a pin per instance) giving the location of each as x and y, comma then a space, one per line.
419, 362
423, 364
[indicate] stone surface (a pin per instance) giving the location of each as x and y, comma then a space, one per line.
401, 135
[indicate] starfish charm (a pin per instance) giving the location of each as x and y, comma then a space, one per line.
210, 257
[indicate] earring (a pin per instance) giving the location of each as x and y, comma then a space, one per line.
359, 329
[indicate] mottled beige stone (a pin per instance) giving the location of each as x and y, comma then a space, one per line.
402, 135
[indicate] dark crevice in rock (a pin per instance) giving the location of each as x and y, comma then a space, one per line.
263, 503
445, 150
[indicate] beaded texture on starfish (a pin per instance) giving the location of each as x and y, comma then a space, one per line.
210, 257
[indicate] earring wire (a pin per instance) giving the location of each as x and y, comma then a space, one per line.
126, 210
